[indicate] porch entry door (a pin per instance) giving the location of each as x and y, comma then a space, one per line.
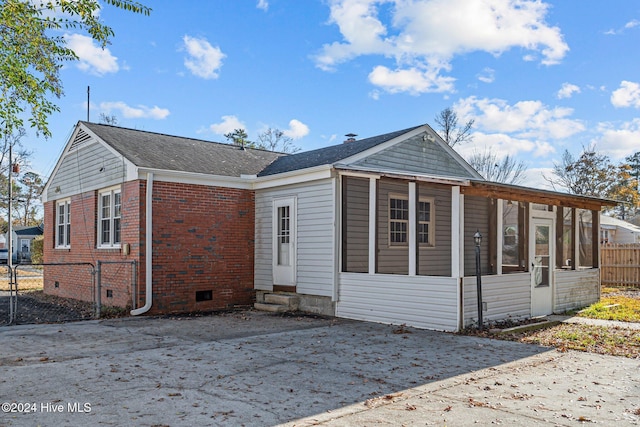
284, 242
541, 254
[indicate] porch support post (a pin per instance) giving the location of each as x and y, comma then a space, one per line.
575, 254
595, 238
373, 222
457, 225
413, 228
457, 248
499, 234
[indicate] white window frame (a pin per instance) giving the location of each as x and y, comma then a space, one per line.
63, 224
113, 219
430, 224
391, 221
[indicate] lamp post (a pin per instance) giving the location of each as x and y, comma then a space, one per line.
477, 238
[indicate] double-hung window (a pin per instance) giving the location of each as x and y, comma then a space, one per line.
399, 221
109, 215
425, 222
63, 224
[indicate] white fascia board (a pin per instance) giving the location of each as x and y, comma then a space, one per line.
294, 177
384, 145
389, 173
195, 178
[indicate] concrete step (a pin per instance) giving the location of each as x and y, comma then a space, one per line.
290, 300
273, 308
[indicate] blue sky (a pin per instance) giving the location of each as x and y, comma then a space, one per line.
538, 77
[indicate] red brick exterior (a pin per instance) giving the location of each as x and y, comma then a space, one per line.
203, 240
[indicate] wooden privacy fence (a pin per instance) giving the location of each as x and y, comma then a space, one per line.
620, 265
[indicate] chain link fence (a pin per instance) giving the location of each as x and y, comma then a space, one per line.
71, 292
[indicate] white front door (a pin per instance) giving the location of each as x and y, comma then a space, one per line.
541, 259
284, 242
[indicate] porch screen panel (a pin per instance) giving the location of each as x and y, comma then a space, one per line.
585, 238
355, 224
565, 243
512, 241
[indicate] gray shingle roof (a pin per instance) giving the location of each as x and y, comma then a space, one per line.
166, 152
328, 155
22, 230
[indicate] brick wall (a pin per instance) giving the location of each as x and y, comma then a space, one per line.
76, 281
203, 248
203, 243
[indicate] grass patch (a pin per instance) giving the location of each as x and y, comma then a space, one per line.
592, 339
615, 304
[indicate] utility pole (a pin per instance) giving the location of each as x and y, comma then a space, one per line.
9, 204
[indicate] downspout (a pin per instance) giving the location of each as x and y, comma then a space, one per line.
148, 248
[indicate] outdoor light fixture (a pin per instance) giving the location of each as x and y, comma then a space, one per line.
477, 238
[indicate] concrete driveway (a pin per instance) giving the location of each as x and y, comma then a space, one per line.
258, 369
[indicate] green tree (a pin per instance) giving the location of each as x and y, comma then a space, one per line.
626, 188
449, 130
591, 174
239, 137
27, 198
276, 140
32, 52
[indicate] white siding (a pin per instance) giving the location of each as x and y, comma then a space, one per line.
315, 236
575, 289
80, 171
507, 297
417, 301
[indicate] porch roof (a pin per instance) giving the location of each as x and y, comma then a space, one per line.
494, 190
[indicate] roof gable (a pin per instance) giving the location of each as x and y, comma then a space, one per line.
418, 149
328, 155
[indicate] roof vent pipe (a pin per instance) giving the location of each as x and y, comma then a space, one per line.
351, 137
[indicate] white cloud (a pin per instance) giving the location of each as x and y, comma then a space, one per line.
92, 58
628, 95
631, 24
263, 5
410, 80
296, 130
228, 124
567, 90
525, 119
619, 141
505, 145
204, 60
487, 75
535, 178
137, 112
423, 36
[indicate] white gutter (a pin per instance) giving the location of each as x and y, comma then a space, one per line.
148, 257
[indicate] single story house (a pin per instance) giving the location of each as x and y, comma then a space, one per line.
377, 229
23, 235
614, 230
